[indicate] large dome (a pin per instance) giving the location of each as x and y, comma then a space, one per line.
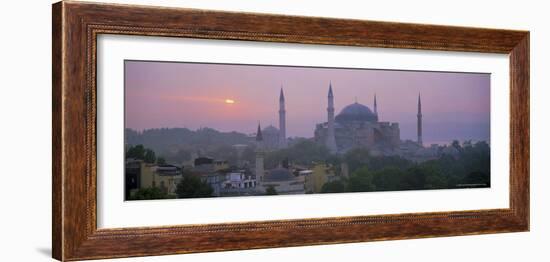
356, 112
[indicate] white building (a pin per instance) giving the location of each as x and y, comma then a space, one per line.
238, 179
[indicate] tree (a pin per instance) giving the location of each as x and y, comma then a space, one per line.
456, 145
478, 179
192, 186
381, 162
136, 152
334, 160
149, 156
334, 187
427, 175
433, 178
361, 181
270, 191
141, 153
357, 158
148, 193
161, 161
390, 178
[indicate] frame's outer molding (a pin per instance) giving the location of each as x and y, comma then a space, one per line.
57, 192
75, 27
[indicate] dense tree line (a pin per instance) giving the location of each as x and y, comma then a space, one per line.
469, 168
192, 186
149, 194
141, 153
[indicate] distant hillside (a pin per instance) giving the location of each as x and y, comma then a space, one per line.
163, 140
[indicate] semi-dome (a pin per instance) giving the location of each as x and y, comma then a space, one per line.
356, 112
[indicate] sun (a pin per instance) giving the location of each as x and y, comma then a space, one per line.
229, 101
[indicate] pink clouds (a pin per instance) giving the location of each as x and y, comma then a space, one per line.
193, 95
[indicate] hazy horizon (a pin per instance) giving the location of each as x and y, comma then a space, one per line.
193, 95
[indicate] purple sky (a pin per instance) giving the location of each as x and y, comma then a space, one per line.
161, 94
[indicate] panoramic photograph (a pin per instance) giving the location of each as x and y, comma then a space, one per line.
200, 130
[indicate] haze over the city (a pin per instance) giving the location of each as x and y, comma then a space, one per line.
237, 97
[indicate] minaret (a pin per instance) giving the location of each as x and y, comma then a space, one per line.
282, 120
331, 140
375, 107
419, 121
259, 155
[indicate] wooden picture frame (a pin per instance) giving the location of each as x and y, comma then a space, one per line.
76, 26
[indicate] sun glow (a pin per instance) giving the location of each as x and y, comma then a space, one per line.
229, 101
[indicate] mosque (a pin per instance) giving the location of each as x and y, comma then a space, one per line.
356, 126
